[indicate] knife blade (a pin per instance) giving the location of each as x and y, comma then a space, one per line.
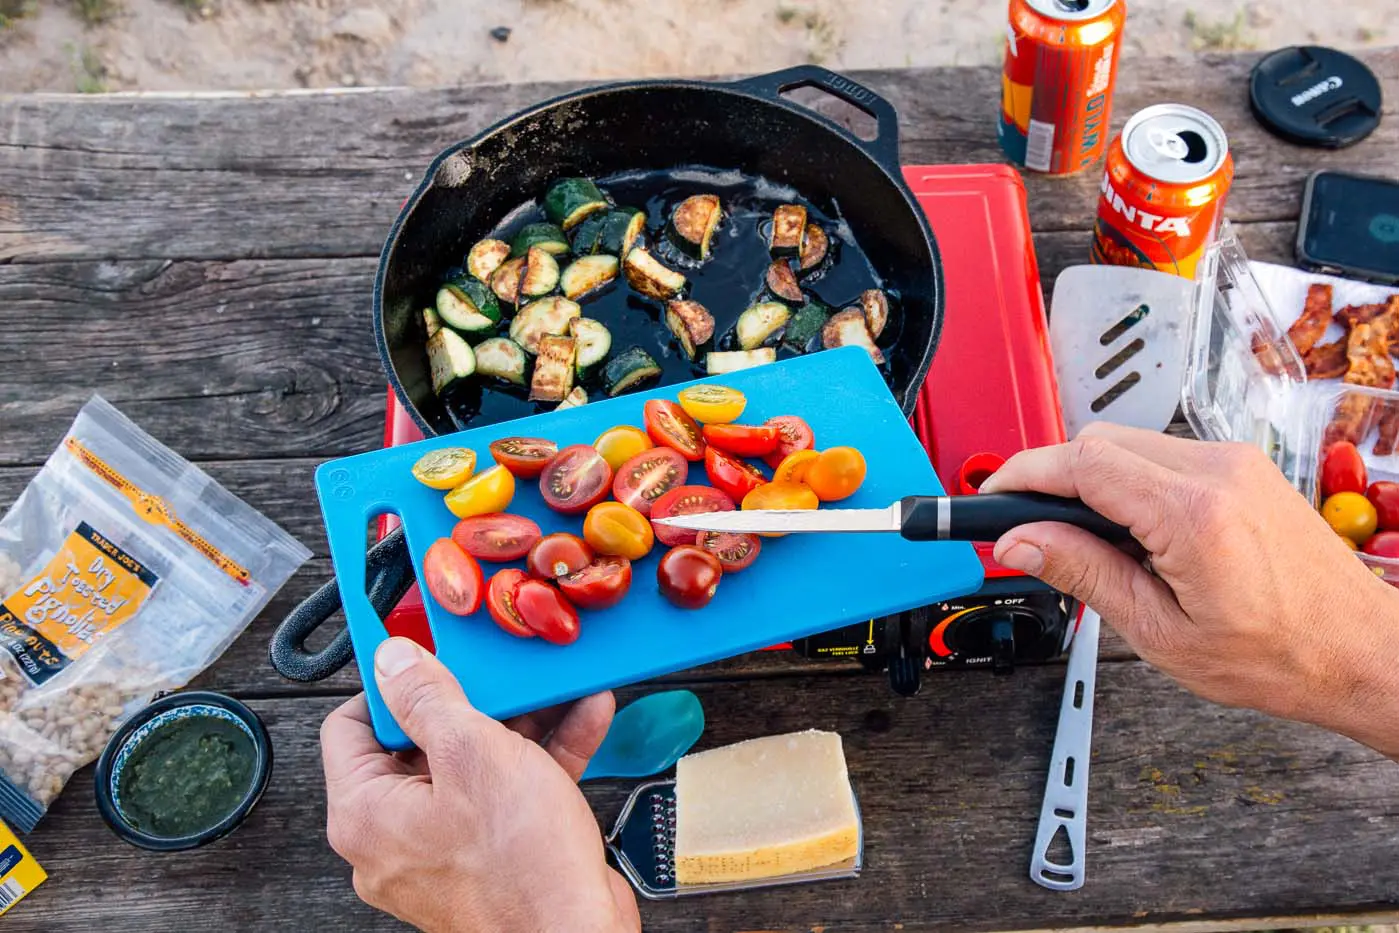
917, 518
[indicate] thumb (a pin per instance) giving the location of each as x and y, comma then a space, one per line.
422, 694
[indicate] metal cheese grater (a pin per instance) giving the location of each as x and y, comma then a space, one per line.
643, 845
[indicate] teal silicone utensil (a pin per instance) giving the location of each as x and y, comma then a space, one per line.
648, 735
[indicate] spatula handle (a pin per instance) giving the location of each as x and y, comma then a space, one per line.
987, 517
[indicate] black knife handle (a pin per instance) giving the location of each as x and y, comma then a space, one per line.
987, 517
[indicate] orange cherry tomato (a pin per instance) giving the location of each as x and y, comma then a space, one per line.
836, 473
781, 496
618, 530
793, 467
1350, 515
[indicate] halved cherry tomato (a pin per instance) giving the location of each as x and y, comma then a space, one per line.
781, 496
735, 551
711, 404
1384, 544
686, 500
526, 457
599, 585
743, 440
445, 468
732, 476
1384, 496
557, 554
649, 475
618, 445
618, 530
669, 426
794, 434
1350, 514
689, 576
1342, 470
794, 466
453, 577
500, 602
575, 480
545, 610
490, 491
836, 473
496, 536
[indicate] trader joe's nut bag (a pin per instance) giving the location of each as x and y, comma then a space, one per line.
124, 572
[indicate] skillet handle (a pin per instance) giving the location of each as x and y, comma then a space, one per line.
390, 575
884, 148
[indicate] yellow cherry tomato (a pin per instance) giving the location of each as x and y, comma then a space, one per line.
618, 530
618, 445
836, 473
711, 404
486, 492
793, 467
445, 467
1350, 515
780, 496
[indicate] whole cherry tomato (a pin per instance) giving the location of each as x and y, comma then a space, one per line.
734, 477
543, 608
1384, 496
743, 440
557, 554
1342, 470
618, 530
836, 473
1384, 544
599, 585
689, 576
1350, 514
500, 602
453, 577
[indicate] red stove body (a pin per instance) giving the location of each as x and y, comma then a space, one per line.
990, 393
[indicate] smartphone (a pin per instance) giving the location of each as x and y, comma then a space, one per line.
1350, 226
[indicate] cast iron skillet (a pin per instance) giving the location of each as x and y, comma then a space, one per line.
652, 125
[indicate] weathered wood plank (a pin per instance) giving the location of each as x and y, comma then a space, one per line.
949, 783
305, 175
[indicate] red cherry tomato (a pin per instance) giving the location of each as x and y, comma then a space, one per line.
496, 536
1384, 544
1342, 470
500, 602
734, 477
526, 457
686, 500
689, 576
599, 585
649, 475
543, 608
669, 426
453, 577
1384, 496
735, 551
557, 554
793, 434
577, 479
745, 440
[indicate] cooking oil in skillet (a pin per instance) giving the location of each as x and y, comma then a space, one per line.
728, 282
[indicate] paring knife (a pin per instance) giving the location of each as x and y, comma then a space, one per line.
917, 518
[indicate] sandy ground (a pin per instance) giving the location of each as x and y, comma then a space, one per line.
97, 45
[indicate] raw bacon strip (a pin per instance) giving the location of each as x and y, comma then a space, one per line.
1368, 350
1327, 360
1316, 317
1389, 431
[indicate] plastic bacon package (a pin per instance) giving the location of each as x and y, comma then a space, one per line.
124, 571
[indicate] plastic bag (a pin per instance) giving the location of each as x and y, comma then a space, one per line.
124, 572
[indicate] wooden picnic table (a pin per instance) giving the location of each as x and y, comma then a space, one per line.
205, 263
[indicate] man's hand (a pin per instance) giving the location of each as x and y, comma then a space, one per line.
482, 828
1251, 600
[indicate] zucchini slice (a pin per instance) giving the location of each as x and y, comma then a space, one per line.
569, 200
691, 323
719, 363
587, 236
588, 275
431, 322
875, 304
804, 327
553, 370
622, 230
648, 276
693, 222
758, 324
547, 237
788, 225
628, 370
505, 280
782, 282
541, 273
539, 319
848, 328
594, 343
466, 305
575, 399
501, 358
815, 246
449, 358
485, 257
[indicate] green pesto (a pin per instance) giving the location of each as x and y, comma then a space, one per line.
187, 776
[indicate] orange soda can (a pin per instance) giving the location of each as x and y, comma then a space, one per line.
1163, 191
1057, 83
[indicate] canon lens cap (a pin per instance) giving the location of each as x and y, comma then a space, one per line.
1315, 96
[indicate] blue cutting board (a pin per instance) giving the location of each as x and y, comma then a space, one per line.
800, 585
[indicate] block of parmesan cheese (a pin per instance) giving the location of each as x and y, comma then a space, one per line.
773, 806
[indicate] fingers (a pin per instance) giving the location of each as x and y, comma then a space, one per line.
349, 751
580, 732
1173, 453
422, 694
537, 725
